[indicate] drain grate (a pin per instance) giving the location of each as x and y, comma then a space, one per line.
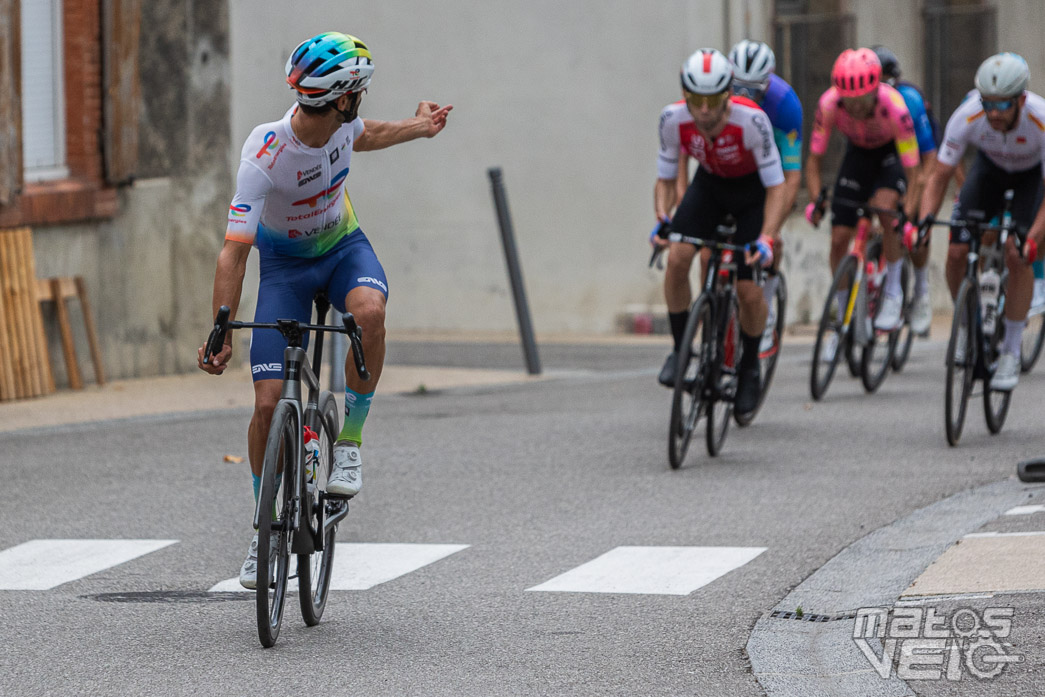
168, 597
812, 616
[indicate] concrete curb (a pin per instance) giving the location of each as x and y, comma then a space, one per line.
818, 656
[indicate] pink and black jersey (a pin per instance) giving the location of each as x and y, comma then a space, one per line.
889, 122
744, 146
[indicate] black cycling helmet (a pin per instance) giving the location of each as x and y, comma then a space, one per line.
890, 63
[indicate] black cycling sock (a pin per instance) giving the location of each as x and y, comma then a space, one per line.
749, 345
677, 320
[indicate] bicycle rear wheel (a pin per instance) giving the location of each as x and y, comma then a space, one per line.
880, 348
314, 569
768, 358
687, 399
906, 338
831, 330
275, 520
995, 402
723, 370
961, 360
1033, 338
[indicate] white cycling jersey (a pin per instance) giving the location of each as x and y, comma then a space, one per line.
1013, 151
290, 198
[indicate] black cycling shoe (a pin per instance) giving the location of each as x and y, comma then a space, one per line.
749, 389
667, 373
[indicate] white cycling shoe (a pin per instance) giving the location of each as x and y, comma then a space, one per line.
346, 476
1006, 374
921, 315
248, 573
889, 316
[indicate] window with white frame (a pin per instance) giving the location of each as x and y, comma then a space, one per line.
43, 104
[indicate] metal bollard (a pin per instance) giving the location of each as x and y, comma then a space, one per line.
511, 257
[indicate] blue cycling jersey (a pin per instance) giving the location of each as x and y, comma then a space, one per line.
923, 130
785, 113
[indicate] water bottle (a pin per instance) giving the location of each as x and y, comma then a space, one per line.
990, 284
311, 455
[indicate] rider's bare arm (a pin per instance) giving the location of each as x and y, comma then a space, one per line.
228, 283
935, 187
429, 120
776, 210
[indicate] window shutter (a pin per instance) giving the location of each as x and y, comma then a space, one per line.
10, 102
121, 26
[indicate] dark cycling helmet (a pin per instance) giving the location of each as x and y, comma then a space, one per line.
890, 63
328, 65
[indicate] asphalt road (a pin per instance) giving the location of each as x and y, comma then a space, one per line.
536, 479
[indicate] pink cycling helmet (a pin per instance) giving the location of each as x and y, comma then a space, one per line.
856, 73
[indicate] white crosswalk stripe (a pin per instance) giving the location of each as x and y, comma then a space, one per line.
45, 564
651, 570
360, 566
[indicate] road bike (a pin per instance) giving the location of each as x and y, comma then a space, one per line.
709, 355
294, 515
977, 332
1033, 339
849, 324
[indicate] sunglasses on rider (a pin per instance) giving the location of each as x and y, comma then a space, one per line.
997, 104
711, 101
752, 90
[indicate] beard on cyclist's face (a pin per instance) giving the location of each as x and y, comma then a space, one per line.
708, 111
351, 109
1002, 113
860, 107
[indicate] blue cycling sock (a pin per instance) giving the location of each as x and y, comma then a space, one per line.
1039, 269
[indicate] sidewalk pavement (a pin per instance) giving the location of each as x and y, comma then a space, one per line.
197, 391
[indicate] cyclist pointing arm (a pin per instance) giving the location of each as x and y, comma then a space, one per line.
291, 203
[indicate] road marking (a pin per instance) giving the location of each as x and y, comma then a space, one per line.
1027, 533
361, 566
651, 570
45, 564
1025, 510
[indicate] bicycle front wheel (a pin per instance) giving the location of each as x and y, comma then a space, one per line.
881, 345
961, 360
687, 399
831, 336
275, 519
995, 402
314, 570
1033, 338
906, 338
768, 358
723, 369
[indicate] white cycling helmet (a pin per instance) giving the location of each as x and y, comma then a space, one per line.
753, 61
707, 72
328, 65
1002, 75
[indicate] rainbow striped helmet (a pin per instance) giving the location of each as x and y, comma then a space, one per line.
327, 66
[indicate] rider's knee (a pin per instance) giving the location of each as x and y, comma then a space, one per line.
265, 400
956, 254
370, 314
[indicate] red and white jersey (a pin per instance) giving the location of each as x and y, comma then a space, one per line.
1013, 151
744, 146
